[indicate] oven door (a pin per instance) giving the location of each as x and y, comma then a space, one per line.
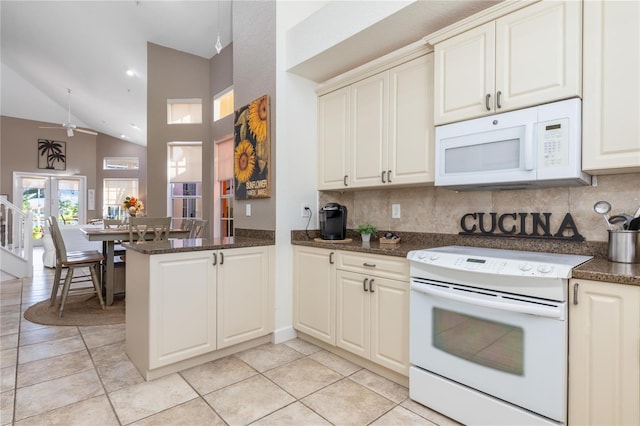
510, 347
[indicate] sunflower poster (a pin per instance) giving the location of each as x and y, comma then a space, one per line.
252, 150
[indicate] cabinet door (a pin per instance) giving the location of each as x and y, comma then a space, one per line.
182, 307
353, 307
538, 54
333, 139
390, 324
243, 295
464, 75
314, 290
369, 121
604, 354
611, 105
410, 153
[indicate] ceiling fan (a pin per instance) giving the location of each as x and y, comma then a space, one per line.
69, 126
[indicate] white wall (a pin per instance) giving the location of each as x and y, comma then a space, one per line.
296, 153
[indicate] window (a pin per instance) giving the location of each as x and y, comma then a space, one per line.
184, 111
185, 181
113, 193
120, 163
223, 190
223, 104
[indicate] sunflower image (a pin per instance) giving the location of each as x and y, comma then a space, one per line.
244, 161
258, 118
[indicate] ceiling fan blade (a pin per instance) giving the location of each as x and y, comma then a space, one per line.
88, 132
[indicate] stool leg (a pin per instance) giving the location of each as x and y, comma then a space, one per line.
65, 290
96, 284
56, 284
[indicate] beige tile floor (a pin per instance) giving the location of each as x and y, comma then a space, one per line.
82, 376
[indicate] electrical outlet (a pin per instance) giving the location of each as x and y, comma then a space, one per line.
247, 210
395, 211
305, 210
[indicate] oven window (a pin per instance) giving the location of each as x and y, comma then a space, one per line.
488, 343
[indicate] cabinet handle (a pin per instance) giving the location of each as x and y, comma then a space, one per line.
221, 258
371, 286
364, 284
389, 176
344, 180
383, 173
486, 101
371, 265
215, 259
331, 258
575, 293
498, 99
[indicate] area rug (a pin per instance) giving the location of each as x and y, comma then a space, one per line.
79, 310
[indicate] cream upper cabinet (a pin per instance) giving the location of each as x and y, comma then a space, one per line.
334, 139
611, 105
245, 295
369, 124
604, 353
378, 130
372, 309
528, 57
410, 144
314, 279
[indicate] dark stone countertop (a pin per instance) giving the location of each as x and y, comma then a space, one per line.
597, 269
196, 244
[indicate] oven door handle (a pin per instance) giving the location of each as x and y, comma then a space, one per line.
548, 311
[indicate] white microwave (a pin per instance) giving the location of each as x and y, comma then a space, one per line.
528, 148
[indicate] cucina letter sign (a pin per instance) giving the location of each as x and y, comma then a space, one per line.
515, 225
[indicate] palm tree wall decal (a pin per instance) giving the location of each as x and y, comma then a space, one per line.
53, 152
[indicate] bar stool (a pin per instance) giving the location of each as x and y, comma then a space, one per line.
71, 261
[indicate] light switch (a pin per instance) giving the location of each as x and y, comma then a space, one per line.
395, 211
247, 209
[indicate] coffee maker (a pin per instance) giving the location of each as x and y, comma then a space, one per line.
333, 222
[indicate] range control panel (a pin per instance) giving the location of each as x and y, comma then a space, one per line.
500, 262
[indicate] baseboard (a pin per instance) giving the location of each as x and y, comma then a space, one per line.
283, 334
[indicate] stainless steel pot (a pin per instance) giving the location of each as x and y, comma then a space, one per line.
624, 246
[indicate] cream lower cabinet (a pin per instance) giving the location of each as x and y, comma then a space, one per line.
314, 283
373, 310
171, 307
604, 353
524, 58
245, 295
183, 305
611, 105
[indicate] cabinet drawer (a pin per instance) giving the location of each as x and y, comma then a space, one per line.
381, 266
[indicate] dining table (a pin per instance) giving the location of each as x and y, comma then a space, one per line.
108, 237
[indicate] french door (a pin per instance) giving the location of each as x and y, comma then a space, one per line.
51, 195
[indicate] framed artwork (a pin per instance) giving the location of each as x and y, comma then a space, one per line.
252, 150
52, 154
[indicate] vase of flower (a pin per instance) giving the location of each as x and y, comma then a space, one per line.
132, 206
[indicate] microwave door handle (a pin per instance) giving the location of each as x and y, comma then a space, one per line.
556, 312
529, 138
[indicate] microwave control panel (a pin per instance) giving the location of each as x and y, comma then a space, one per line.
553, 143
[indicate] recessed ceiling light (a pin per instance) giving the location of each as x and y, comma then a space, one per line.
131, 73
123, 136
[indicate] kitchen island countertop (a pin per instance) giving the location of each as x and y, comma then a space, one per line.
196, 244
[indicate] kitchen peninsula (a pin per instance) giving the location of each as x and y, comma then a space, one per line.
190, 301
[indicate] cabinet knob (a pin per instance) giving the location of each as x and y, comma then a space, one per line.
575, 293
221, 258
382, 177
389, 176
364, 284
498, 99
344, 180
486, 101
370, 265
371, 285
215, 259
331, 258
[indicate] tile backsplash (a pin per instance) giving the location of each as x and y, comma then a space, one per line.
437, 210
